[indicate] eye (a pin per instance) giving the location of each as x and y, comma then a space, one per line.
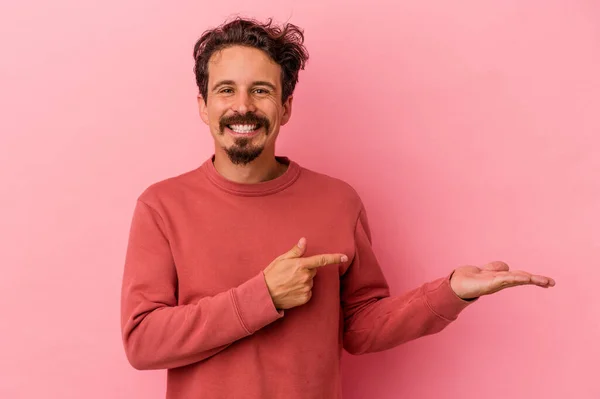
226, 90
261, 91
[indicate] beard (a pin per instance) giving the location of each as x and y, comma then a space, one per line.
242, 152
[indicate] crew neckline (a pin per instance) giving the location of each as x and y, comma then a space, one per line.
267, 187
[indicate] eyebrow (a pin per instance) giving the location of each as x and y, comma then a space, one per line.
256, 83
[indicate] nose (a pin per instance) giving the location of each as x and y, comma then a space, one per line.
243, 103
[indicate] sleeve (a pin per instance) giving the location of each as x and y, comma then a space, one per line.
157, 332
373, 320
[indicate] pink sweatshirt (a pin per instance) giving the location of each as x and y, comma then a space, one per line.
195, 301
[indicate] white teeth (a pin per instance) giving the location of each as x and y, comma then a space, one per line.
242, 128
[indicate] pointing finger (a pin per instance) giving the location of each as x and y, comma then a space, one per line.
316, 261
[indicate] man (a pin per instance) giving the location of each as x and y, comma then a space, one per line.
247, 276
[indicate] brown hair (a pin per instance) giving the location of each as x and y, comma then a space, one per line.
283, 44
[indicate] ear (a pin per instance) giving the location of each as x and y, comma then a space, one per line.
287, 110
202, 109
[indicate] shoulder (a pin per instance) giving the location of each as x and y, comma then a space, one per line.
338, 189
169, 188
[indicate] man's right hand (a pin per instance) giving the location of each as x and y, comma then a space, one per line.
290, 277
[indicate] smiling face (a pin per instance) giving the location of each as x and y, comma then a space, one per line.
243, 108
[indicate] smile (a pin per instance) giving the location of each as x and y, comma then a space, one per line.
243, 129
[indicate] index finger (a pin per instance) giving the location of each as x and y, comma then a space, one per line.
316, 261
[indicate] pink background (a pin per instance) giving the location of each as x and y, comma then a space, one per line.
470, 129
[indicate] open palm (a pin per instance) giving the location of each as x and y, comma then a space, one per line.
470, 282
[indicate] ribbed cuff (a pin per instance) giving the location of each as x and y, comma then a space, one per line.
254, 304
442, 300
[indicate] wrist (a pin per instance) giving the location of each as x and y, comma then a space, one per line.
457, 292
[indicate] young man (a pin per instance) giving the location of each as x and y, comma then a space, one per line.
247, 276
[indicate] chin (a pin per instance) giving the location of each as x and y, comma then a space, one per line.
243, 156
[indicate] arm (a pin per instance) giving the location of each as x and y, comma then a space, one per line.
157, 332
375, 321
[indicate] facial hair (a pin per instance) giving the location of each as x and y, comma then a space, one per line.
243, 152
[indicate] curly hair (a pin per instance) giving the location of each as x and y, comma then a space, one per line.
284, 45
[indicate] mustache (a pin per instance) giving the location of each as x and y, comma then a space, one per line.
249, 118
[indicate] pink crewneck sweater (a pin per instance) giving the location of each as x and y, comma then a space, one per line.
195, 301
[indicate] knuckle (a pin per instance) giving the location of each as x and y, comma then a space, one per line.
323, 260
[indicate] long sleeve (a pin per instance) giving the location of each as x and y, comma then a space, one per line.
157, 332
375, 321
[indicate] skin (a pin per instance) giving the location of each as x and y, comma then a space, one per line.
253, 87
243, 67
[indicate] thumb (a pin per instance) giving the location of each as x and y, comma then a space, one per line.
495, 266
297, 251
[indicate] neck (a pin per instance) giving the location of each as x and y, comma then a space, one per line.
263, 168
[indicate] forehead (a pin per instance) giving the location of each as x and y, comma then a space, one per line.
243, 65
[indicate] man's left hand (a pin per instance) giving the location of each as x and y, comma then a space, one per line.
470, 282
